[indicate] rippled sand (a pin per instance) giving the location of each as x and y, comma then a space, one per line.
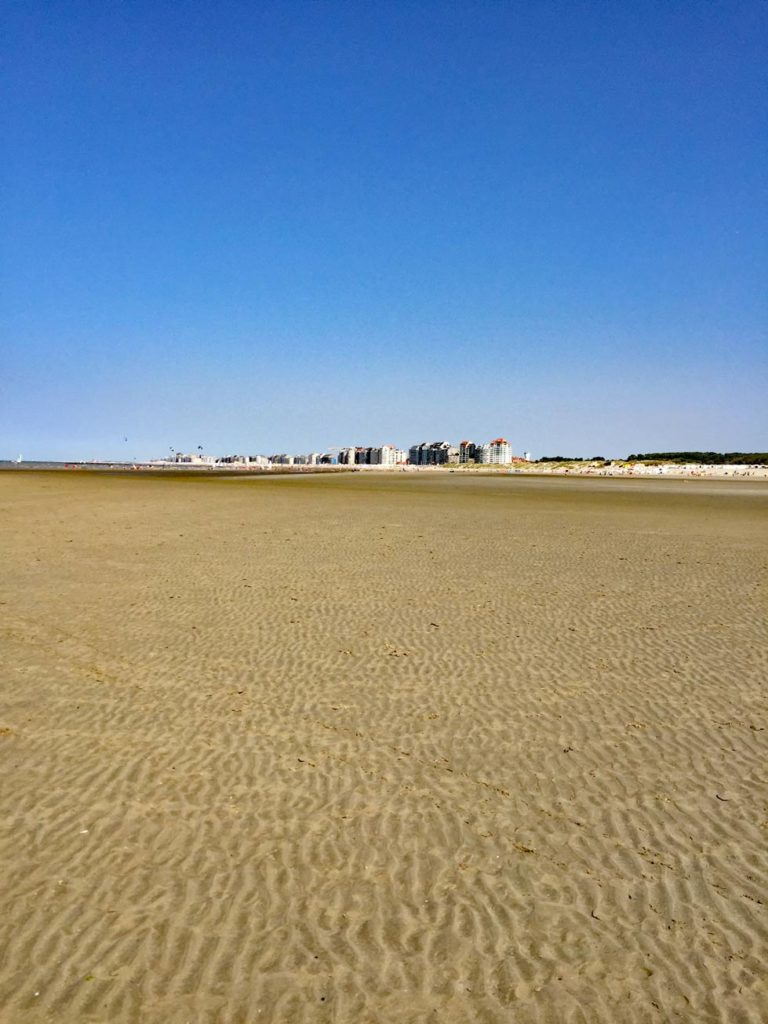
379, 750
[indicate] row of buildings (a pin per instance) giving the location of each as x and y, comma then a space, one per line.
259, 461
428, 453
386, 455
440, 453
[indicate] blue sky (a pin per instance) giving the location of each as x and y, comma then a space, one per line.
286, 226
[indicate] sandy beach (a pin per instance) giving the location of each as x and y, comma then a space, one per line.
383, 749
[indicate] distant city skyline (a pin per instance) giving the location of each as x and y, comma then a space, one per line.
289, 226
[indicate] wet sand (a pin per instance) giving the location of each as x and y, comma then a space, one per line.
374, 749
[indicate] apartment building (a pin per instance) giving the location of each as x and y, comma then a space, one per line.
433, 453
388, 455
195, 459
496, 453
468, 452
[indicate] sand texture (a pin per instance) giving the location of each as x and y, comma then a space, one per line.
383, 750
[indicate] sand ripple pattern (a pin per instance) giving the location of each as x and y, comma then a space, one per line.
383, 751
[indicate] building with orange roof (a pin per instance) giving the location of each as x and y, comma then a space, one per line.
496, 453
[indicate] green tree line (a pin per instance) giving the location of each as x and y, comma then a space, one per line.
710, 458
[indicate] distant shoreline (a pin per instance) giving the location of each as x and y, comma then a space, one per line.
619, 470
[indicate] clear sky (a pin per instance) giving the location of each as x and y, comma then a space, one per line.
264, 227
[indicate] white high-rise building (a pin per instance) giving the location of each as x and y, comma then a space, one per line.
387, 455
496, 453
